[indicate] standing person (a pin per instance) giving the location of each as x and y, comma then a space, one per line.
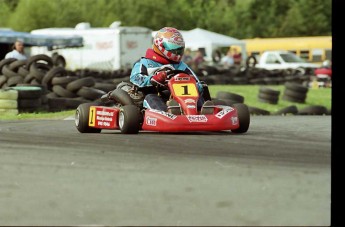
187, 58
17, 52
237, 57
228, 59
167, 50
198, 59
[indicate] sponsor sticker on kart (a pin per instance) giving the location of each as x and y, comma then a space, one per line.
151, 121
101, 117
189, 101
196, 118
182, 78
234, 120
166, 114
224, 112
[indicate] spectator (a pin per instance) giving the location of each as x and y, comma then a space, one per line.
237, 57
187, 57
198, 59
228, 59
18, 51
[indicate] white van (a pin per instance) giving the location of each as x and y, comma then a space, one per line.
107, 49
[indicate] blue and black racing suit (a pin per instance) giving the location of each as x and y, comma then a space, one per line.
145, 68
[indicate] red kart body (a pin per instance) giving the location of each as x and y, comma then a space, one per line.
184, 91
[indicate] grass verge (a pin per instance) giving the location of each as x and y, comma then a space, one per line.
320, 96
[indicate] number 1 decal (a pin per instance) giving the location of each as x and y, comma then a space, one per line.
185, 89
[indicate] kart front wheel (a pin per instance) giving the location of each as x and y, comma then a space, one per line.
243, 117
82, 119
129, 119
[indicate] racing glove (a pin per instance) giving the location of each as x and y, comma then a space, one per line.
159, 78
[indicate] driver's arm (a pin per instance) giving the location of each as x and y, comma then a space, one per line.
139, 75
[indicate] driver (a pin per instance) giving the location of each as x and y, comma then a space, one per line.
167, 51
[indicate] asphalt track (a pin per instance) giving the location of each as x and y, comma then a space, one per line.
279, 173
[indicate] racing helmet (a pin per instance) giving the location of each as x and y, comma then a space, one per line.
168, 42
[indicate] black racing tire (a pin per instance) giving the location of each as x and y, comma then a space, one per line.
79, 83
292, 99
243, 117
122, 97
269, 101
90, 93
287, 110
295, 94
38, 70
229, 95
3, 80
14, 66
269, 91
296, 87
105, 86
14, 80
8, 72
313, 110
59, 60
257, 111
39, 58
6, 61
28, 78
23, 71
62, 92
268, 97
63, 81
54, 72
82, 119
129, 119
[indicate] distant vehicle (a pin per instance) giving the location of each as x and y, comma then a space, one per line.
105, 49
281, 60
314, 49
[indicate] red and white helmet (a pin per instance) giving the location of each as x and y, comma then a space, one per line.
169, 43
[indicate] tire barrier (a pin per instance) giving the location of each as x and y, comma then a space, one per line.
313, 110
268, 95
289, 110
62, 89
230, 96
59, 89
8, 102
295, 93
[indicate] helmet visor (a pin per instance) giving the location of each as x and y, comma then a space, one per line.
173, 48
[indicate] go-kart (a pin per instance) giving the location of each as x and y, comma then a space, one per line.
182, 115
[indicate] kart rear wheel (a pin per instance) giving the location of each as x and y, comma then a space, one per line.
129, 119
243, 117
82, 119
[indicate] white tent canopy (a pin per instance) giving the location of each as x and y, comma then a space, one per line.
200, 38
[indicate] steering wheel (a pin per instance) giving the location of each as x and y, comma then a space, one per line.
171, 73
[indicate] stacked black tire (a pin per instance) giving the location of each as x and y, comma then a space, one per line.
268, 95
227, 98
295, 92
